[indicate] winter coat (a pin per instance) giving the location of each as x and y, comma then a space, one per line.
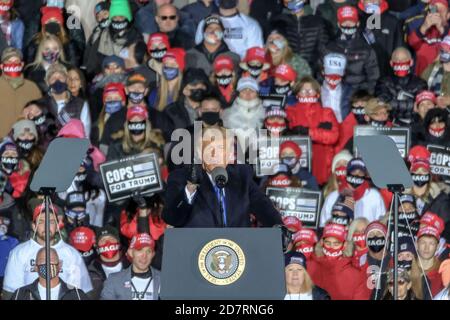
31, 292
263, 12
362, 70
199, 57
129, 228
426, 46
400, 93
17, 31
383, 40
197, 11
346, 130
328, 12
429, 75
13, 101
339, 278
19, 225
323, 140
306, 35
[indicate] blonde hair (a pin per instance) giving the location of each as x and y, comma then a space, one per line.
38, 59
332, 185
286, 54
153, 139
307, 285
305, 80
163, 92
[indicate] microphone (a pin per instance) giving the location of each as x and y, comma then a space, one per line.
220, 177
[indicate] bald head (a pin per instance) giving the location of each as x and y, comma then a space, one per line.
401, 54
167, 18
40, 257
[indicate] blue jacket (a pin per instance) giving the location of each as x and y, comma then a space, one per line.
6, 245
17, 31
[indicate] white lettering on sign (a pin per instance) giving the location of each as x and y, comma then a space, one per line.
119, 175
132, 184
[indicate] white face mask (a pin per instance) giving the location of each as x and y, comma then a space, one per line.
248, 103
211, 40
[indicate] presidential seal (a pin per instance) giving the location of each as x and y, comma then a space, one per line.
221, 262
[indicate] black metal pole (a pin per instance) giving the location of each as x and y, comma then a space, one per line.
47, 246
396, 245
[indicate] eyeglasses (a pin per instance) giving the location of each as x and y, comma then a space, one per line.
164, 18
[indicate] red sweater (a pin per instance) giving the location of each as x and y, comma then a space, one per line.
339, 278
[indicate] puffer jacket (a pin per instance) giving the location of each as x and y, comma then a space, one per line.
362, 70
384, 40
306, 35
400, 93
323, 140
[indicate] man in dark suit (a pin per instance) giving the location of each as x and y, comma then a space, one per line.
195, 199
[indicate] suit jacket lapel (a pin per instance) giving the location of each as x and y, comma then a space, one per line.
206, 190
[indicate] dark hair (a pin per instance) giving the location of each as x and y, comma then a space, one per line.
359, 95
140, 50
212, 96
82, 80
39, 103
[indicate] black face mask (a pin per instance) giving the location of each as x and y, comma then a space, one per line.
158, 54
410, 216
210, 118
405, 264
355, 181
104, 23
118, 26
378, 124
197, 95
282, 89
224, 81
137, 128
359, 113
39, 120
255, 71
53, 28
25, 146
9, 164
420, 179
227, 4
376, 244
340, 220
136, 97
58, 87
88, 256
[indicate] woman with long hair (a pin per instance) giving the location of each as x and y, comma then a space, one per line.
49, 52
299, 285
76, 82
173, 65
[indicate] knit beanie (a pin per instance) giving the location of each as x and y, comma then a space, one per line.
120, 8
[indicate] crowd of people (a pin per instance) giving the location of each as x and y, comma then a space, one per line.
128, 74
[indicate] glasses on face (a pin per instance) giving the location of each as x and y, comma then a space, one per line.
307, 92
164, 18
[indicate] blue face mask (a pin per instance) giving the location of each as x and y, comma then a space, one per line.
371, 8
170, 73
113, 106
296, 5
55, 3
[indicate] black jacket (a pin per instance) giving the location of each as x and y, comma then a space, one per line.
31, 292
385, 39
362, 70
306, 35
181, 39
320, 294
177, 116
242, 197
400, 93
264, 11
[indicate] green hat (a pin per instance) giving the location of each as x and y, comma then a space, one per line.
120, 8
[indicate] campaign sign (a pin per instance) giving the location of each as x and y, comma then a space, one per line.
122, 177
440, 160
400, 136
297, 202
273, 100
269, 151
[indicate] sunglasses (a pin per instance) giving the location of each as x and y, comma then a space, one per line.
400, 282
164, 18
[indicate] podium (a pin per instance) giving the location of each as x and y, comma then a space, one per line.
223, 264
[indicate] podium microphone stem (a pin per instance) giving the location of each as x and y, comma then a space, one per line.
47, 248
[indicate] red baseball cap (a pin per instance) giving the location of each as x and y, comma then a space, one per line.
347, 13
293, 146
335, 230
41, 208
285, 72
114, 87
307, 235
82, 239
255, 53
223, 62
49, 13
138, 110
292, 223
418, 152
443, 2
429, 231
178, 54
425, 95
6, 6
157, 38
433, 220
142, 240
